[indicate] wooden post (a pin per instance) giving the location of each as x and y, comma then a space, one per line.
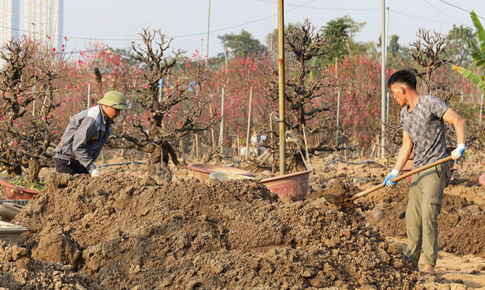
197, 155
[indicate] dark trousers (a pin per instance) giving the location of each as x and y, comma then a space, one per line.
70, 167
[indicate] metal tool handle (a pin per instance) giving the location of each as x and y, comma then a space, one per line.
365, 192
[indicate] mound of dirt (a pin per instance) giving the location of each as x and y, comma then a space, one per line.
460, 222
131, 233
19, 271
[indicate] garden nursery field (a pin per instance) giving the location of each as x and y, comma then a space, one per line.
124, 231
155, 224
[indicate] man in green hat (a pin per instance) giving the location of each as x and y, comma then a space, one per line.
86, 134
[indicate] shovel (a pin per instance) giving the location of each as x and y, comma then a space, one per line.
339, 199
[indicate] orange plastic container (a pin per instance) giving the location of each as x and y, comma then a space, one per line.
17, 192
293, 185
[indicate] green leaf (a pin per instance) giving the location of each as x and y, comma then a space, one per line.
478, 50
477, 55
470, 76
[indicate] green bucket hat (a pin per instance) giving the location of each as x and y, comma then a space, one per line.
115, 100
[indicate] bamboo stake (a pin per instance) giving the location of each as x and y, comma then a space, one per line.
306, 147
197, 155
221, 133
249, 121
481, 111
89, 96
281, 85
212, 129
270, 129
238, 149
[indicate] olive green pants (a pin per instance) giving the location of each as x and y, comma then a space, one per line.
424, 205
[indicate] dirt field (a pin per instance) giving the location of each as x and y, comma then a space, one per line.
123, 231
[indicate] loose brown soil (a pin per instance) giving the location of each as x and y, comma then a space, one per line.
121, 231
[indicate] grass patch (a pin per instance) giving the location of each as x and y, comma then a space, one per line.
23, 182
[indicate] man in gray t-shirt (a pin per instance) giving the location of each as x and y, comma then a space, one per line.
425, 126
423, 120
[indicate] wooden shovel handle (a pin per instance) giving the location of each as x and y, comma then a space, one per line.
367, 191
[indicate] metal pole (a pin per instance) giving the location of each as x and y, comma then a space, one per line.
249, 121
208, 28
387, 32
383, 81
89, 96
281, 74
221, 134
338, 118
481, 112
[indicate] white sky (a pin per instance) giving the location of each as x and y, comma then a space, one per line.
118, 22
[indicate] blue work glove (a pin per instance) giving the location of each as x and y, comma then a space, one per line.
459, 152
387, 181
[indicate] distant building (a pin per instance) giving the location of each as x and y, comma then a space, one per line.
39, 19
43, 20
9, 20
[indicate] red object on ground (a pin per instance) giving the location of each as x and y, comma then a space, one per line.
482, 179
293, 186
17, 192
202, 171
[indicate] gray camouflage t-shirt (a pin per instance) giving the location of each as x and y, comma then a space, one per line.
427, 129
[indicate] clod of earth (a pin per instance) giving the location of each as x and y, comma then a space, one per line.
339, 194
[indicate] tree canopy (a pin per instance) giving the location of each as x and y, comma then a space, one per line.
460, 38
243, 44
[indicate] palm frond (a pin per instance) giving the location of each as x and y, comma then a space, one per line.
478, 50
471, 76
478, 55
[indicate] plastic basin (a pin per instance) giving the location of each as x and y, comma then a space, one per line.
10, 233
202, 171
293, 186
223, 175
17, 192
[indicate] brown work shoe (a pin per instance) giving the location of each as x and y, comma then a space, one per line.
428, 269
